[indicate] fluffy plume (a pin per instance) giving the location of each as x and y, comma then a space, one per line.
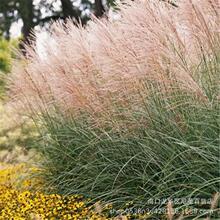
115, 63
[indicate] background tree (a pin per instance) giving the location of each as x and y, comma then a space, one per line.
34, 13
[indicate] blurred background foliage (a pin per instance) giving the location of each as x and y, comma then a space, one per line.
7, 53
18, 136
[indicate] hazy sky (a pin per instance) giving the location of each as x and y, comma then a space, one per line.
15, 30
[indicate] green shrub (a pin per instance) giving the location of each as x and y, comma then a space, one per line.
5, 61
6, 55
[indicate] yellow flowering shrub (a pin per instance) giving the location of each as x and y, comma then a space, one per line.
17, 202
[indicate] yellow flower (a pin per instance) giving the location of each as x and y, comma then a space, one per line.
21, 203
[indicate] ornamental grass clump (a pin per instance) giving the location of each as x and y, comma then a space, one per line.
129, 107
